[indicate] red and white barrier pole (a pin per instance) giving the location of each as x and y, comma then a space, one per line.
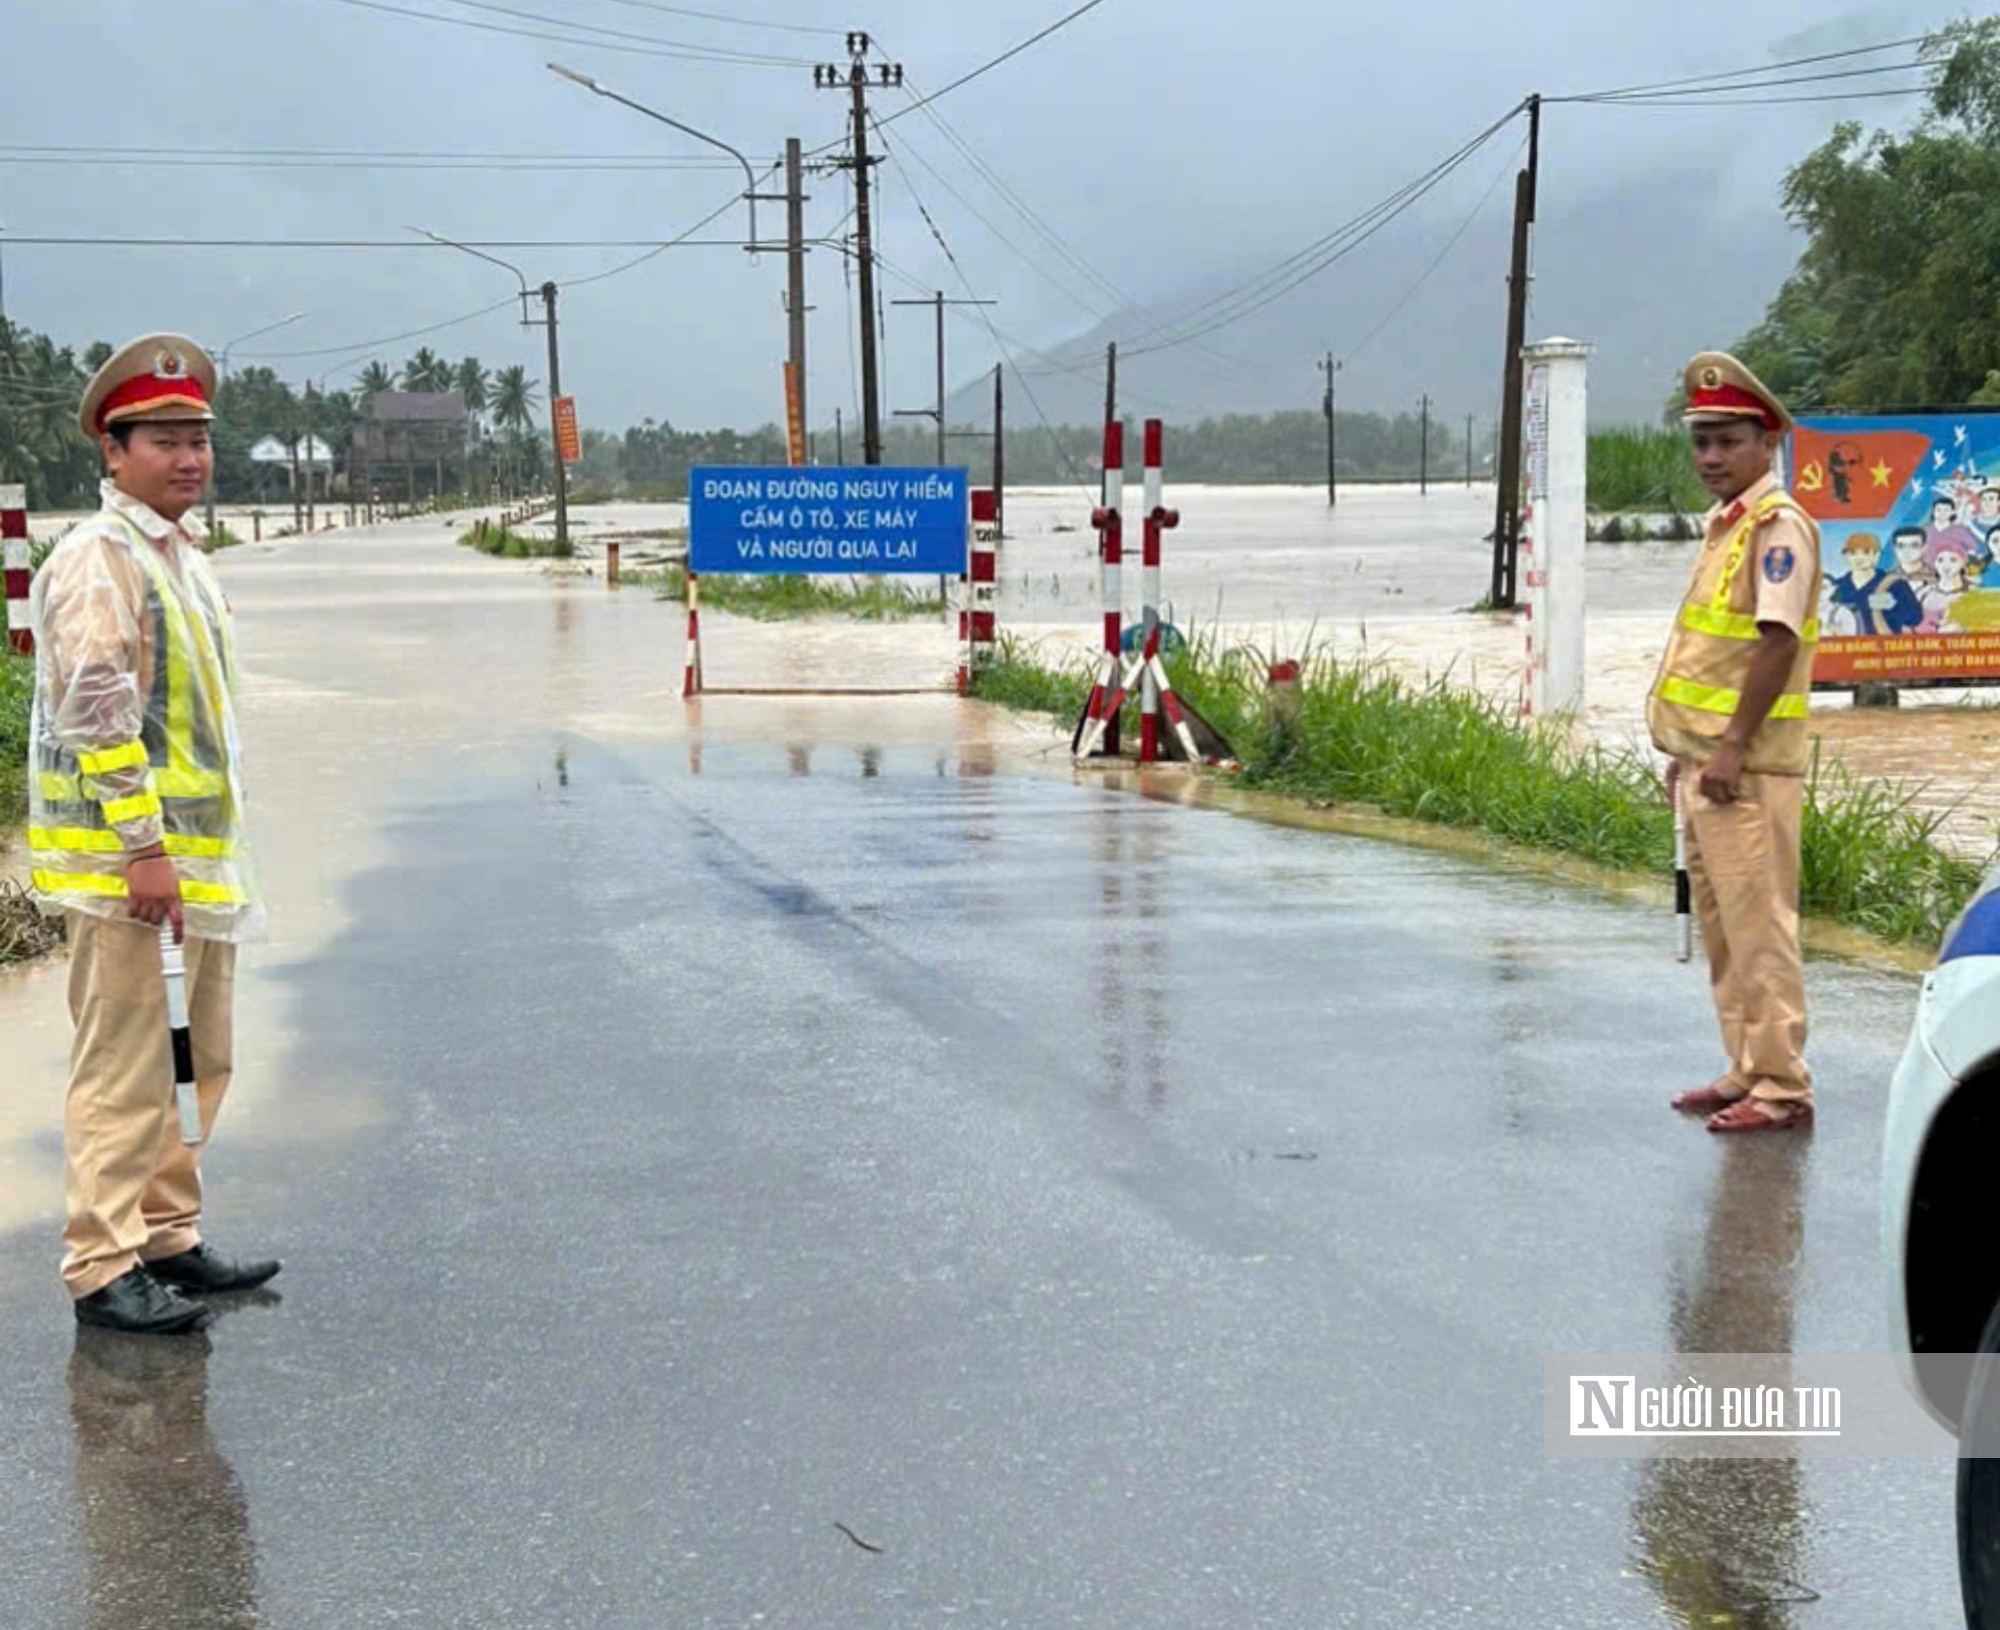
1111, 525
979, 589
691, 681
14, 541
1158, 519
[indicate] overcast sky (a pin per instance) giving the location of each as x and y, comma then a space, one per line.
1175, 145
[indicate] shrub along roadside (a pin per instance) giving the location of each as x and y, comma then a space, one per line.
507, 544
24, 931
1435, 752
865, 599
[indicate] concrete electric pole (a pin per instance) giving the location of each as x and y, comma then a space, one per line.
855, 82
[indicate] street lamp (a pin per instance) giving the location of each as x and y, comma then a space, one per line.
478, 254
749, 175
222, 374
555, 365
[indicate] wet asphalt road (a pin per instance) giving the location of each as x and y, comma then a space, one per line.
1119, 1214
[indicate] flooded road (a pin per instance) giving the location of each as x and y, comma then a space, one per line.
814, 1163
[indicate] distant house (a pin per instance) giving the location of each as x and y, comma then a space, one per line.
408, 443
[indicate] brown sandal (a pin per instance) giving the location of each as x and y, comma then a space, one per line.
1707, 1100
1749, 1116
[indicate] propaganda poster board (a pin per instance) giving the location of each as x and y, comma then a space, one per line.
1908, 507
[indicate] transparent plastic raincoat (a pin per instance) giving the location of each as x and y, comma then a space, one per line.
133, 740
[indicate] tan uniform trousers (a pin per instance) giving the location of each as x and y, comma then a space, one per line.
134, 1189
1743, 860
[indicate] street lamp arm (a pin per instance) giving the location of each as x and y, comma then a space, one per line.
749, 175
477, 254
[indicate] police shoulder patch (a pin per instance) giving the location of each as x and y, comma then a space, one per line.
1779, 562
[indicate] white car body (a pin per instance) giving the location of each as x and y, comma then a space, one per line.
1938, 1170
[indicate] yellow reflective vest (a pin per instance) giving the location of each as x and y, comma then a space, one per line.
1707, 660
181, 767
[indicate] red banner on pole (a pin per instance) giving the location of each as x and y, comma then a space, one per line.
569, 440
795, 429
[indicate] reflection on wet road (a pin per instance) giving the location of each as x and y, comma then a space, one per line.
1120, 1214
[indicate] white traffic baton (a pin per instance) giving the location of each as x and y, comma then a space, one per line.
187, 1103
1683, 893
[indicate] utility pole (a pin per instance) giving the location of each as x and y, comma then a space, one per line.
555, 390
1507, 472
827, 76
1111, 382
312, 435
1330, 367
1424, 456
1468, 451
795, 258
938, 302
839, 440
999, 452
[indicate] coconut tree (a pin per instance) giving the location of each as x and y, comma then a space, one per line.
475, 387
374, 380
427, 371
513, 401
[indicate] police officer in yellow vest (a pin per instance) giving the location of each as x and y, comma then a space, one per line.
136, 819
1729, 708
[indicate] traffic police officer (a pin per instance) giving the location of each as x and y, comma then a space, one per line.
1729, 708
136, 820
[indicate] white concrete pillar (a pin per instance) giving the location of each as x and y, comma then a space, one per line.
1552, 559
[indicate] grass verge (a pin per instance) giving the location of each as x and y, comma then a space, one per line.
1642, 469
865, 599
1439, 753
17, 692
507, 544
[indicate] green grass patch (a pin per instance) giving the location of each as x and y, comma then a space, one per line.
1643, 469
17, 692
1441, 753
506, 544
865, 599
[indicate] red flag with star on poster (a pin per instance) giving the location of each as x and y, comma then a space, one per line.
1858, 476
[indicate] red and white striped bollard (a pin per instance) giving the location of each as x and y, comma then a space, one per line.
14, 532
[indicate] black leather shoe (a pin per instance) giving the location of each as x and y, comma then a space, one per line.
140, 1305
202, 1270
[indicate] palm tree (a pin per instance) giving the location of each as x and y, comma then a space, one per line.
513, 400
427, 371
374, 380
474, 384
475, 387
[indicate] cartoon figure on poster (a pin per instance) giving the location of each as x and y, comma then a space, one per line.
1909, 513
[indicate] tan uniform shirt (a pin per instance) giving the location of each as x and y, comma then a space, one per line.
1784, 562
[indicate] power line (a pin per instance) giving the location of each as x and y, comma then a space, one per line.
11, 239
1121, 299
1745, 101
697, 54
1007, 55
624, 34
1308, 263
523, 163
659, 249
993, 331
725, 17
1738, 86
359, 346
367, 155
1438, 259
1751, 73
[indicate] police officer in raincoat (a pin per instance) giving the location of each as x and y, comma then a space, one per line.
136, 820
